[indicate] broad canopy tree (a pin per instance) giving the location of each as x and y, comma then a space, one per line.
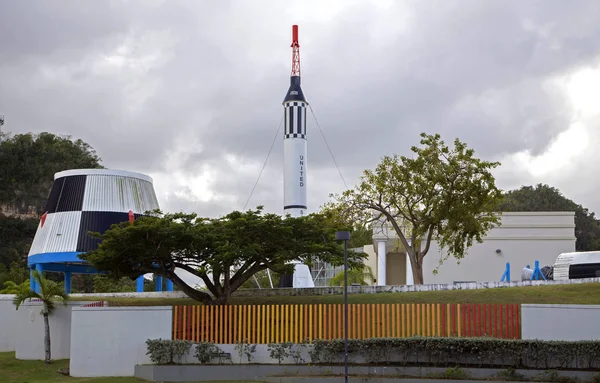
223, 252
440, 193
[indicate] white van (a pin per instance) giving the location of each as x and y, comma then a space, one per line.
577, 265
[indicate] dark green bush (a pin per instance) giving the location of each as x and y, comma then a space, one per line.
472, 352
166, 351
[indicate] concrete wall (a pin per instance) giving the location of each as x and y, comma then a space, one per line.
8, 323
29, 343
110, 341
560, 322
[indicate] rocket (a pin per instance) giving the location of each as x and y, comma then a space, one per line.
294, 139
294, 161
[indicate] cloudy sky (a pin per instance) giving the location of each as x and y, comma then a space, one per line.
190, 92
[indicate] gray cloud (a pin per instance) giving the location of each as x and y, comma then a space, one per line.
179, 88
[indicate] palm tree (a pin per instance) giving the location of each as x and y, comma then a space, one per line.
362, 276
50, 292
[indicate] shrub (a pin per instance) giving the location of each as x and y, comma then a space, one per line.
244, 348
205, 351
279, 351
296, 351
472, 352
166, 351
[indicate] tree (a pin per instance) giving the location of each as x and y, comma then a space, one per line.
11, 287
262, 277
28, 163
543, 197
50, 293
16, 236
440, 194
357, 275
104, 284
223, 252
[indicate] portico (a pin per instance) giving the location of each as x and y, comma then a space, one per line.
393, 264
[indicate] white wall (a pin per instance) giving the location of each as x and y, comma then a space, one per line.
261, 355
8, 323
110, 341
30, 331
522, 237
560, 322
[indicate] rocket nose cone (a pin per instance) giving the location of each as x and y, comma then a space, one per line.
295, 92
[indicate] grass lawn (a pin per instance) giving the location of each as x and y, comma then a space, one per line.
588, 293
30, 371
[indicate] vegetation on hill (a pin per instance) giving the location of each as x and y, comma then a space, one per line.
543, 197
28, 163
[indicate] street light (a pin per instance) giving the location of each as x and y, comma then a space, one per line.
345, 236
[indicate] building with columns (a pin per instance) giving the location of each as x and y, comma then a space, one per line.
521, 239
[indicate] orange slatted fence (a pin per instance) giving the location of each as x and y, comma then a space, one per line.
294, 323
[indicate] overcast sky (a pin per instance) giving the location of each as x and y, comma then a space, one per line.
190, 92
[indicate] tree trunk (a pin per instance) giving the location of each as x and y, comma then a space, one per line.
417, 270
47, 338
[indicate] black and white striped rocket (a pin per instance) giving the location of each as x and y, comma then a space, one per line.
294, 139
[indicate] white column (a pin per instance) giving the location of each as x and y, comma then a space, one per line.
409, 273
381, 262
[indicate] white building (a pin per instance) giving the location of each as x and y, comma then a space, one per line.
520, 239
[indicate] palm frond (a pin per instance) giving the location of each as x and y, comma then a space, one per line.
49, 293
23, 295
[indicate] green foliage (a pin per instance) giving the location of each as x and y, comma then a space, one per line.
16, 273
440, 193
28, 163
279, 351
223, 252
296, 351
464, 352
512, 375
206, 351
546, 198
167, 351
244, 348
50, 293
362, 275
452, 373
262, 277
104, 284
11, 287
16, 236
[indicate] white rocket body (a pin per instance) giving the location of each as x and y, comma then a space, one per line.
295, 170
295, 159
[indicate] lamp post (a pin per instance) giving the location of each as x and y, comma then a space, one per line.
345, 236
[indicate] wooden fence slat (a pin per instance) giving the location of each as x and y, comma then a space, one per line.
295, 323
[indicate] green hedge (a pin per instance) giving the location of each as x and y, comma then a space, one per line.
432, 352
467, 352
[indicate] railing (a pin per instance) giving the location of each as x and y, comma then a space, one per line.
294, 323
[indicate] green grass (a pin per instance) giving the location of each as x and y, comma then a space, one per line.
588, 293
33, 371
